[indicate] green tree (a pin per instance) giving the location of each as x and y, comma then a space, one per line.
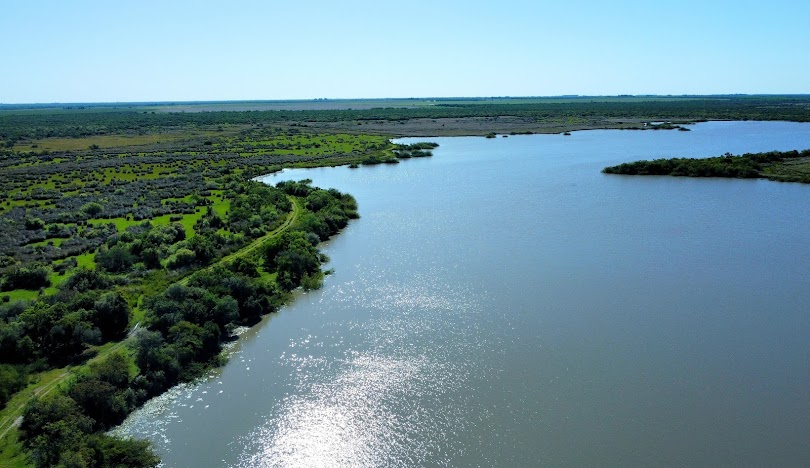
117, 259
34, 276
49, 426
92, 209
111, 315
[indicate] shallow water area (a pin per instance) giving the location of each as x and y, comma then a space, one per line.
504, 303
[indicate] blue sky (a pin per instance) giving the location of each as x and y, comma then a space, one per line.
103, 51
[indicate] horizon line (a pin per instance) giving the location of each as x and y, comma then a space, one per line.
444, 98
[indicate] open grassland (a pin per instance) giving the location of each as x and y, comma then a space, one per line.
113, 141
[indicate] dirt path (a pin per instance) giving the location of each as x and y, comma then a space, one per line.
14, 419
255, 245
14, 416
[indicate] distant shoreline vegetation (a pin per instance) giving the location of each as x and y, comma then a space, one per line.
401, 151
783, 166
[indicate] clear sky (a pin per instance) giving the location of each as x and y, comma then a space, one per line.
179, 50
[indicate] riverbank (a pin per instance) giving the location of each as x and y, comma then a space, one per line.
184, 330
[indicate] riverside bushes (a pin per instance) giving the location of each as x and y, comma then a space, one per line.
184, 325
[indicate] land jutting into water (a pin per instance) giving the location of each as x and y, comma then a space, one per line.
133, 239
782, 166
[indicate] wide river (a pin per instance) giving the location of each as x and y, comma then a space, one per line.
503, 303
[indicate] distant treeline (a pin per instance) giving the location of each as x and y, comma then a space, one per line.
771, 165
42, 123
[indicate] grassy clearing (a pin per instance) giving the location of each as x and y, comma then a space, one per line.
11, 452
40, 385
120, 223
113, 141
187, 221
789, 170
86, 260
220, 204
55, 241
21, 294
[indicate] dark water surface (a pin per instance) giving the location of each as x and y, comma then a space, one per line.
503, 303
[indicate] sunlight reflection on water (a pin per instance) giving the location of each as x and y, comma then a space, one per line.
625, 321
367, 410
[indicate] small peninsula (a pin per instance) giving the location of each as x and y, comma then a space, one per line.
782, 166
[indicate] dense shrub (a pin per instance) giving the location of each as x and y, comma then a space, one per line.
117, 259
12, 379
32, 277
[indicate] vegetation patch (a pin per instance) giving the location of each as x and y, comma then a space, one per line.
784, 166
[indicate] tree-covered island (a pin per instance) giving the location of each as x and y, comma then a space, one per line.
783, 166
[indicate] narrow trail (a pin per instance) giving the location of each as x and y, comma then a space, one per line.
14, 417
256, 244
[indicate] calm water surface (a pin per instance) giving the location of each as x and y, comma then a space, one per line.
503, 303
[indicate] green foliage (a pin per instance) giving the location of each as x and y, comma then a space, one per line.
117, 259
188, 323
32, 277
312, 281
746, 166
245, 266
51, 426
59, 328
92, 209
114, 452
85, 279
299, 258
255, 208
181, 259
12, 379
111, 315
422, 145
63, 429
329, 210
205, 247
34, 223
